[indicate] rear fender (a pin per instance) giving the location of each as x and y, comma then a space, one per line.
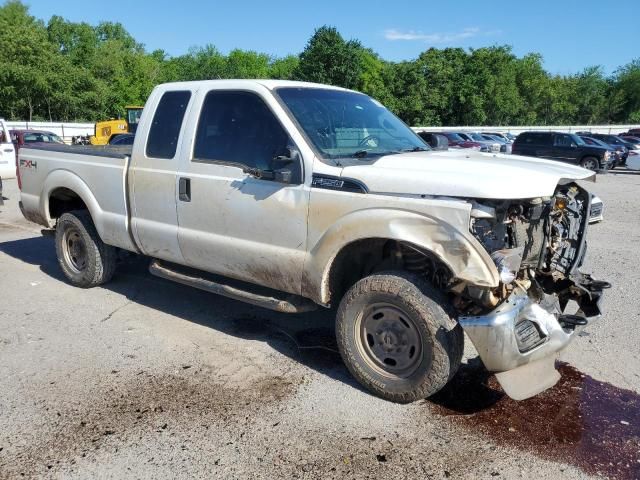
112, 228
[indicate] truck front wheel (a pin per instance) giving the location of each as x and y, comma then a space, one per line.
398, 336
85, 259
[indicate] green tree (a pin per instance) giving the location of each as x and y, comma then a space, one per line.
329, 59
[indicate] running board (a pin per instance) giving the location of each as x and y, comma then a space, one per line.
261, 297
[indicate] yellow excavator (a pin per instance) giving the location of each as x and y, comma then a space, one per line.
106, 130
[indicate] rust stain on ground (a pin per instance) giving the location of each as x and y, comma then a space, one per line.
584, 422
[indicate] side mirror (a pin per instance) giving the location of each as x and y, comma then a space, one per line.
290, 155
574, 145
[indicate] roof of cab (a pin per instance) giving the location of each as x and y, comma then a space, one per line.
236, 83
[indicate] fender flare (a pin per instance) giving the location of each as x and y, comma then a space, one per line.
456, 248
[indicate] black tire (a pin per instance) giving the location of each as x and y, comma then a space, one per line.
418, 306
84, 258
590, 163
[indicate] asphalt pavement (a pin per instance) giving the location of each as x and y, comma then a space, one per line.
144, 378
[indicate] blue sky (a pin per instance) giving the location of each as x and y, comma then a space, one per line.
570, 35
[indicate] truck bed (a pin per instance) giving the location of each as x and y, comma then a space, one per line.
109, 151
98, 175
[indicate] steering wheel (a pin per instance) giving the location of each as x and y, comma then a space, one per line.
370, 141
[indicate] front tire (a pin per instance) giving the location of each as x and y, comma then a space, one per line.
397, 336
590, 163
84, 258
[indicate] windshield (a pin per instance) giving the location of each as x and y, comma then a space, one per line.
347, 124
578, 140
454, 137
594, 141
477, 137
38, 137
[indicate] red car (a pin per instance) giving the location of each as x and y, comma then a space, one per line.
21, 138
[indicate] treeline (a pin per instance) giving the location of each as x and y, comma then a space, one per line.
67, 71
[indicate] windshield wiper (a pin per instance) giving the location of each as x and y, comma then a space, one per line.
360, 154
416, 149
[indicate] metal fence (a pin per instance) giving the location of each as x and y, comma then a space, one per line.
611, 129
68, 130
62, 129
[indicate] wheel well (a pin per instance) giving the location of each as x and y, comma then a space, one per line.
367, 256
63, 200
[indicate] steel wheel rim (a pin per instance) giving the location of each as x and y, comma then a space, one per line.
74, 250
389, 340
590, 165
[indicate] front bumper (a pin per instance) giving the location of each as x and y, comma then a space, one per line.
521, 338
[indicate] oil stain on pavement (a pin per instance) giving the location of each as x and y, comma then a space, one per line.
584, 422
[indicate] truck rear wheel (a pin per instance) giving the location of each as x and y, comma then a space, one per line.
398, 336
85, 259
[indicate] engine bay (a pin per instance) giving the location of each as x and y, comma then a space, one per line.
535, 243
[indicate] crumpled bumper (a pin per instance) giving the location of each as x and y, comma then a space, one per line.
521, 338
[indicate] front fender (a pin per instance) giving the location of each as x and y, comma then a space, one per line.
436, 232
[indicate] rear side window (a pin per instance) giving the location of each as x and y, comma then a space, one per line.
166, 124
534, 138
238, 127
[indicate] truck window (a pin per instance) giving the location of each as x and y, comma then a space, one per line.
563, 141
238, 127
166, 124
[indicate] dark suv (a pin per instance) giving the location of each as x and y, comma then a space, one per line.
565, 147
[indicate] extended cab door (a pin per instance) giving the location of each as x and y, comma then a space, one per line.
231, 222
152, 174
7, 154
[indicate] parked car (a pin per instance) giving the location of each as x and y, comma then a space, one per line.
507, 137
632, 139
7, 156
436, 141
20, 138
122, 139
458, 141
505, 146
485, 145
633, 160
565, 147
296, 196
617, 155
618, 143
632, 143
633, 132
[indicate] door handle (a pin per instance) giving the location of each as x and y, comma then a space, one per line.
8, 150
184, 189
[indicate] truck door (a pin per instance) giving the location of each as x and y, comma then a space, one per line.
152, 176
7, 154
565, 148
232, 223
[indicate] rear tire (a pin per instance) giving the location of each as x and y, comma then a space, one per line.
84, 258
398, 337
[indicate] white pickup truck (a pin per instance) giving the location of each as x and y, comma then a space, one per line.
293, 195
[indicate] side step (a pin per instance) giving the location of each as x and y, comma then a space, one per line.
260, 296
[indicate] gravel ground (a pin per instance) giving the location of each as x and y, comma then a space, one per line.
149, 379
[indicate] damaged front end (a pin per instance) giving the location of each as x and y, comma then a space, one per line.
538, 246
